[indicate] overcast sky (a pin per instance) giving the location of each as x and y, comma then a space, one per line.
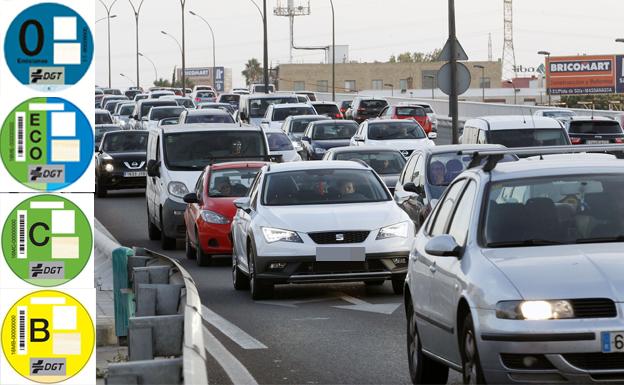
373, 29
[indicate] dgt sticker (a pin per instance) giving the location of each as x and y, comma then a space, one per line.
46, 143
47, 336
47, 240
48, 47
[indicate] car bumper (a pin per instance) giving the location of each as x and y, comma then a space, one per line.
173, 219
571, 350
117, 181
215, 239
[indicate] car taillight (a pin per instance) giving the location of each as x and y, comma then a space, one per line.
198, 99
361, 109
338, 115
575, 140
619, 140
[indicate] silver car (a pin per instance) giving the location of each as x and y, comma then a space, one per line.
518, 275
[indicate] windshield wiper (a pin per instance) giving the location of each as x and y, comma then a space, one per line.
525, 242
619, 238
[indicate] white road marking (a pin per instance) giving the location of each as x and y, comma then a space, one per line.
360, 305
311, 319
293, 304
235, 370
232, 331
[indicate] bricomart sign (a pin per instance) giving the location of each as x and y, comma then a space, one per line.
579, 75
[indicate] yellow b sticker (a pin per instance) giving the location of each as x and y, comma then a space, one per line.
48, 336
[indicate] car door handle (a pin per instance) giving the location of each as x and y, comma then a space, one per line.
432, 268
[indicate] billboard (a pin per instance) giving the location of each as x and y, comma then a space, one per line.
219, 79
582, 75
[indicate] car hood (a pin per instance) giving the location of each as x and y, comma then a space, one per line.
563, 272
287, 156
327, 144
276, 125
402, 144
339, 217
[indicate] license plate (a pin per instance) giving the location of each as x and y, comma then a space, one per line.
340, 254
612, 342
597, 142
135, 174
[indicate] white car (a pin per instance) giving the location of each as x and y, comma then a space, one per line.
402, 135
331, 221
561, 114
157, 114
277, 113
280, 144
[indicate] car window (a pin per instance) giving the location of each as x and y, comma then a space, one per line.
529, 138
231, 183
125, 142
383, 162
103, 118
408, 171
258, 107
373, 104
460, 223
199, 186
163, 113
278, 141
595, 127
445, 209
395, 130
327, 109
418, 177
280, 114
410, 111
331, 131
206, 118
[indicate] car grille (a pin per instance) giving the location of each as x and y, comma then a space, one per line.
594, 308
338, 237
307, 268
596, 361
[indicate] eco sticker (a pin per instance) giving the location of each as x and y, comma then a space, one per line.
47, 240
46, 143
47, 336
48, 47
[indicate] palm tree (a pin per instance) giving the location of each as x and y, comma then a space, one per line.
252, 71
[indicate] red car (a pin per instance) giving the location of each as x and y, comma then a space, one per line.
210, 208
407, 111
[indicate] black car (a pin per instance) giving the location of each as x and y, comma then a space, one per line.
120, 161
101, 129
429, 172
594, 130
322, 135
366, 108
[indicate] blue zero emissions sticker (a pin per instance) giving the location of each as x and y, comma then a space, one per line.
46, 143
48, 47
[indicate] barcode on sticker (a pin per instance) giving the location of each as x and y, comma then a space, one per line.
20, 136
21, 332
22, 222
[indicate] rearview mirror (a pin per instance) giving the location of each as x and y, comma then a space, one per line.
443, 246
432, 135
411, 187
191, 198
153, 168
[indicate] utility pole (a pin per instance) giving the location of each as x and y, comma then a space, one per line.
453, 97
333, 51
108, 17
137, 11
266, 47
182, 4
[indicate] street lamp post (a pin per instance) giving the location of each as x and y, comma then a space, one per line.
547, 54
137, 11
104, 18
432, 85
126, 77
331, 2
153, 65
266, 47
108, 9
183, 4
453, 97
391, 88
214, 60
482, 80
515, 90
182, 53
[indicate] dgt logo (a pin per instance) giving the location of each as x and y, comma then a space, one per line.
47, 174
47, 75
48, 270
47, 367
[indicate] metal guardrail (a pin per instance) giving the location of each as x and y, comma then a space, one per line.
158, 314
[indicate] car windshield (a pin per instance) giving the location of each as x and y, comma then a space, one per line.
428, 109
324, 186
444, 168
528, 138
383, 162
187, 103
373, 105
110, 106
558, 114
128, 141
208, 118
231, 183
103, 118
206, 94
232, 99
327, 109
195, 150
163, 113
298, 126
595, 127
280, 114
100, 131
258, 107
126, 109
555, 210
259, 89
278, 141
334, 131
410, 111
395, 130
345, 104
146, 107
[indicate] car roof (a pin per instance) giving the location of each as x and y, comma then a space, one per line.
156, 108
269, 96
324, 165
101, 111
108, 126
207, 111
289, 105
514, 122
561, 166
392, 121
229, 165
274, 131
313, 117
127, 132
590, 118
199, 127
323, 102
443, 149
336, 121
359, 149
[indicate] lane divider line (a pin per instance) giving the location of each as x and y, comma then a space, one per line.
233, 332
234, 369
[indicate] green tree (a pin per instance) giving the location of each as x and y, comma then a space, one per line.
253, 71
162, 83
416, 57
600, 102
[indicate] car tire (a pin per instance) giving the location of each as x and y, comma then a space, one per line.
190, 251
397, 285
100, 190
378, 282
239, 279
202, 259
260, 289
472, 373
166, 243
152, 231
422, 369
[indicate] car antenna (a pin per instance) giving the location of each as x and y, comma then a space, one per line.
532, 117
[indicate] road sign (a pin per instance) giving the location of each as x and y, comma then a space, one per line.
463, 78
445, 55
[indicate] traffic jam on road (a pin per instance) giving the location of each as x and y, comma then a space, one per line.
505, 249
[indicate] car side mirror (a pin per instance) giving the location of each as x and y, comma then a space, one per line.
432, 135
358, 139
144, 118
135, 117
443, 246
153, 168
306, 139
411, 187
243, 204
264, 121
191, 198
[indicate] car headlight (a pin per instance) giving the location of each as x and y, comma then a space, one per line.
320, 150
297, 146
177, 189
534, 310
272, 235
212, 217
398, 230
109, 168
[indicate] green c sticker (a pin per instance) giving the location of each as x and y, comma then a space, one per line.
47, 240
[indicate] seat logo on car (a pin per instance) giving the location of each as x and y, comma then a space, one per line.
340, 238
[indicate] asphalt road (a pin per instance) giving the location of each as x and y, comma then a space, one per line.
308, 334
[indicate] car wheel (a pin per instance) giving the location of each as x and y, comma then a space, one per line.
260, 289
100, 189
398, 284
166, 243
375, 283
152, 231
239, 279
203, 259
191, 252
423, 370
472, 372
